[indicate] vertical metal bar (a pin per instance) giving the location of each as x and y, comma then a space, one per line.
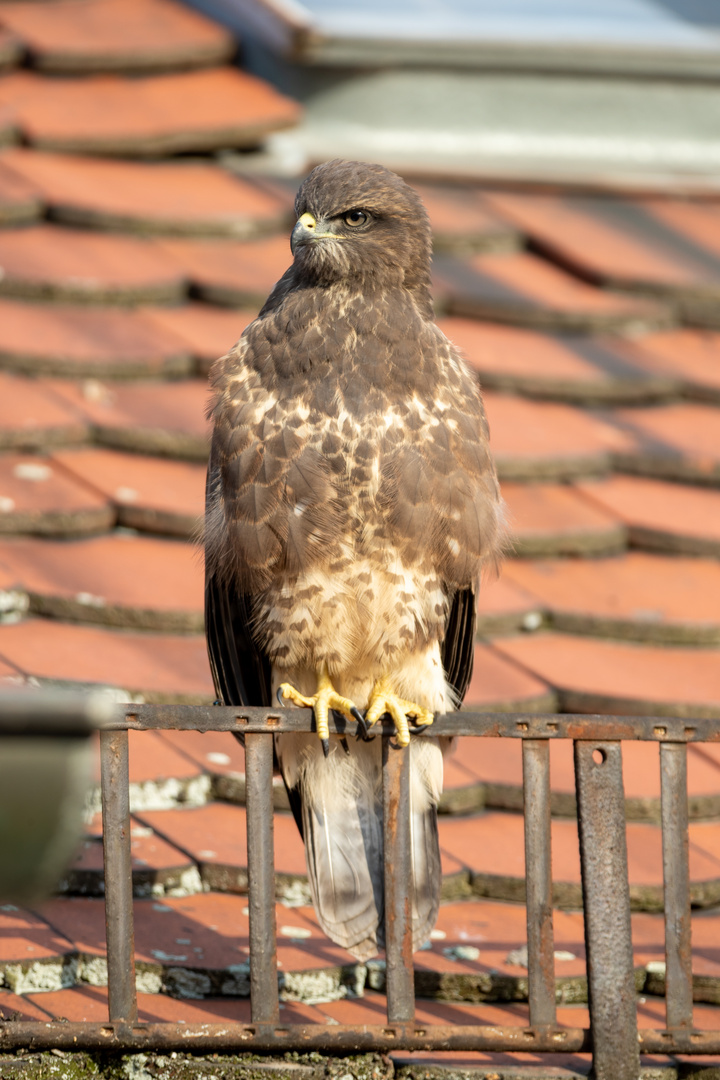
261, 879
398, 885
119, 929
538, 881
606, 897
676, 875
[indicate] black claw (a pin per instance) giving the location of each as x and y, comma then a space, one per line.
280, 697
416, 729
363, 731
326, 747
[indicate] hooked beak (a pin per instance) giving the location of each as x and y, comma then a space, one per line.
303, 232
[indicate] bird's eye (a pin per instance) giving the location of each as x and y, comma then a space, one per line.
355, 217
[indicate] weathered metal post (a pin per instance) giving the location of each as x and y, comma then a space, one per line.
398, 884
119, 927
676, 877
261, 879
606, 898
538, 882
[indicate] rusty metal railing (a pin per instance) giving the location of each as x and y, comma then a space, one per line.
613, 1036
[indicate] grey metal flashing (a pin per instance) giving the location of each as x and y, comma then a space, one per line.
630, 37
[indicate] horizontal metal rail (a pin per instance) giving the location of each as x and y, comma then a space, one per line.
483, 725
256, 1038
613, 1036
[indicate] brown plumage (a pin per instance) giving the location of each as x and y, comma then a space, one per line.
351, 505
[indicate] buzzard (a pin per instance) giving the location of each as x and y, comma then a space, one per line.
351, 505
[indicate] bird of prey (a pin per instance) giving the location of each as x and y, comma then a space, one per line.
351, 505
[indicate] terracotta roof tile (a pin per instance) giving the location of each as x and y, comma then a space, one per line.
112, 35
547, 441
158, 868
674, 442
160, 418
37, 497
20, 201
146, 116
661, 516
162, 667
462, 220
207, 332
503, 607
215, 752
32, 417
650, 245
215, 836
28, 940
148, 493
498, 685
11, 49
691, 357
641, 777
86, 1002
198, 945
637, 596
526, 290
154, 759
10, 676
621, 677
488, 773
579, 369
139, 582
72, 340
232, 274
491, 846
46, 262
20, 1007
185, 198
157, 927
556, 519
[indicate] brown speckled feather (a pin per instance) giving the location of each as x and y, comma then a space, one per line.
352, 504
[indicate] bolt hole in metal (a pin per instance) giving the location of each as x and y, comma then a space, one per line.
599, 756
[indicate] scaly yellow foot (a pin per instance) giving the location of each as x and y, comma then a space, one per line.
325, 698
384, 700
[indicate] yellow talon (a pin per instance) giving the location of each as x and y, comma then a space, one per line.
384, 700
325, 698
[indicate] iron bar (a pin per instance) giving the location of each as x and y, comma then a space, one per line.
538, 879
270, 1038
606, 902
398, 884
261, 879
595, 728
267, 1038
676, 878
119, 929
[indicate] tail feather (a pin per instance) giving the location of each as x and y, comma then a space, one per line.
343, 850
342, 824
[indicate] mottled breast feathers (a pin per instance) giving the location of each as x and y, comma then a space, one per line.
343, 416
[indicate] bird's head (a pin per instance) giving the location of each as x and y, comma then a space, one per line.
361, 222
